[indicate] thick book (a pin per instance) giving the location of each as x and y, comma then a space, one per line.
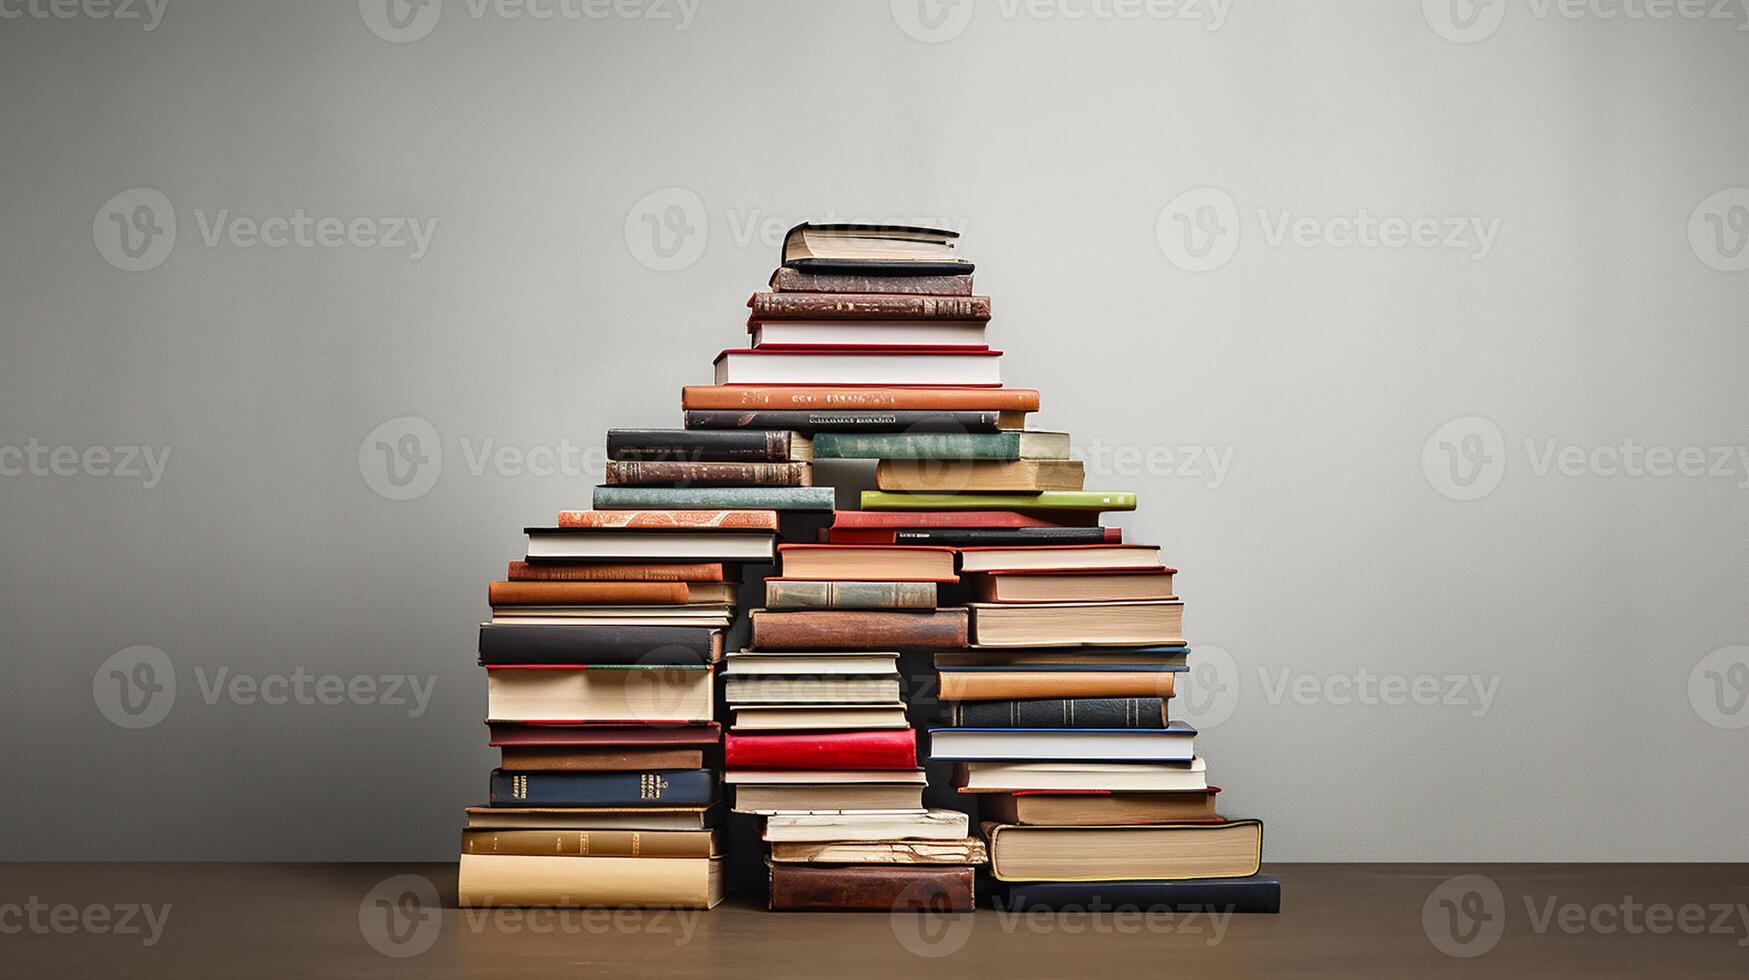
1064, 658
573, 544
1021, 684
812, 662
514, 643
862, 563
1041, 585
706, 498
666, 818
618, 694
784, 593
1258, 893
769, 798
803, 717
1097, 501
525, 571
875, 520
1047, 624
810, 690
870, 888
788, 280
823, 750
637, 473
591, 758
1059, 558
1076, 777
865, 398
1087, 713
656, 787
672, 520
604, 736
856, 629
1098, 808
866, 306
1008, 445
980, 475
1174, 743
874, 250
853, 366
973, 537
966, 851
595, 843
1231, 849
586, 593
817, 422
733, 445
933, 825
513, 880
944, 334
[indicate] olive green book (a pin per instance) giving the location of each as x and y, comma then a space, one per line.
1095, 500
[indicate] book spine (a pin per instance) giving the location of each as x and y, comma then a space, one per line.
952, 519
532, 758
586, 593
1028, 685
872, 888
545, 644
783, 594
664, 787
761, 498
1259, 893
748, 445
918, 445
752, 520
908, 420
1084, 500
853, 306
589, 843
891, 750
627, 472
523, 571
790, 280
973, 537
498, 881
849, 629
839, 398
1140, 713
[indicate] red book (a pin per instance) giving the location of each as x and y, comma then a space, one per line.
896, 519
859, 399
827, 750
877, 535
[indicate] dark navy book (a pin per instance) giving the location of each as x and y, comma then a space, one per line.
657, 787
1258, 893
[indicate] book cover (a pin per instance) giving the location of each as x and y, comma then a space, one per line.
869, 888
702, 445
549, 881
918, 445
788, 280
660, 472
524, 571
859, 398
595, 843
823, 750
690, 520
1080, 500
866, 306
707, 498
855, 629
970, 684
783, 593
896, 520
586, 593
1146, 713
816, 422
664, 787
604, 736
565, 644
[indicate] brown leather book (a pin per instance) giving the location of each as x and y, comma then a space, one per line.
522, 571
788, 280
552, 758
622, 472
842, 399
587, 593
986, 685
866, 306
869, 888
1098, 809
595, 843
856, 629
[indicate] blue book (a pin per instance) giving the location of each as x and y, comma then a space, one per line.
657, 787
1174, 743
1257, 893
713, 498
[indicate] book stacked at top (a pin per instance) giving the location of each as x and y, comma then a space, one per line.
600, 658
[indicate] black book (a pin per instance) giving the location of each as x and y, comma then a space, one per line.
802, 420
660, 787
744, 444
1103, 713
652, 646
975, 536
1258, 893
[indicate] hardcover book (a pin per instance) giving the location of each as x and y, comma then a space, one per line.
586, 593
595, 843
1008, 445
1074, 777
1085, 713
866, 306
874, 825
979, 476
883, 398
587, 758
1021, 684
1096, 808
574, 544
851, 629
823, 750
1256, 893
663, 520
787, 280
1097, 501
663, 787
873, 250
862, 563
818, 422
665, 818
623, 695
1233, 849
1174, 743
851, 366
512, 643
870, 888
525, 571
604, 736
695, 498
735, 445
1068, 623
907, 852
1114, 585
660, 472
785, 593
501, 880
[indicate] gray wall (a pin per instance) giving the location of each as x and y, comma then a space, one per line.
1387, 513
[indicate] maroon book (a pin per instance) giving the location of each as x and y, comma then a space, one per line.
856, 629
866, 306
536, 733
823, 750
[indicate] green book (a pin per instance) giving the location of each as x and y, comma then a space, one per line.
1047, 500
713, 498
1010, 444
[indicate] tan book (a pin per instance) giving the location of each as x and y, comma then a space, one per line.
1022, 685
506, 880
967, 851
585, 758
867, 562
595, 843
1113, 586
979, 475
1168, 852
1083, 809
599, 694
1050, 624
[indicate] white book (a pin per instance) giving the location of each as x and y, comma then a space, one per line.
912, 367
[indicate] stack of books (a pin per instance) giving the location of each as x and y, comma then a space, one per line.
600, 660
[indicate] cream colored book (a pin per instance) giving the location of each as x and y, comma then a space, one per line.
1137, 777
599, 694
498, 880
1160, 852
1050, 624
873, 825
819, 717
969, 850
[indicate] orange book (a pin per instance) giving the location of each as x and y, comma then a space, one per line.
847, 399
587, 593
988, 685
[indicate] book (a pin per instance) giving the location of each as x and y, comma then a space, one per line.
788, 593
979, 475
933, 825
1115, 585
787, 280
1008, 445
866, 249
849, 366
1233, 849
858, 563
525, 571
1042, 557
745, 690
1027, 683
498, 880
734, 445
823, 750
973, 537
636, 473
1041, 624
1258, 893
564, 644
604, 736
879, 398
667, 787
866, 306
595, 843
870, 888
664, 520
1068, 777
587, 758
600, 694
586, 593
852, 629
769, 798
1155, 656
1096, 808
1174, 743
968, 850
1082, 713
1097, 501
570, 544
818, 717
803, 662
816, 422
778, 334
667, 818
691, 498
689, 615
893, 521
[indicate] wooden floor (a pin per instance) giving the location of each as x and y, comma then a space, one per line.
359, 920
